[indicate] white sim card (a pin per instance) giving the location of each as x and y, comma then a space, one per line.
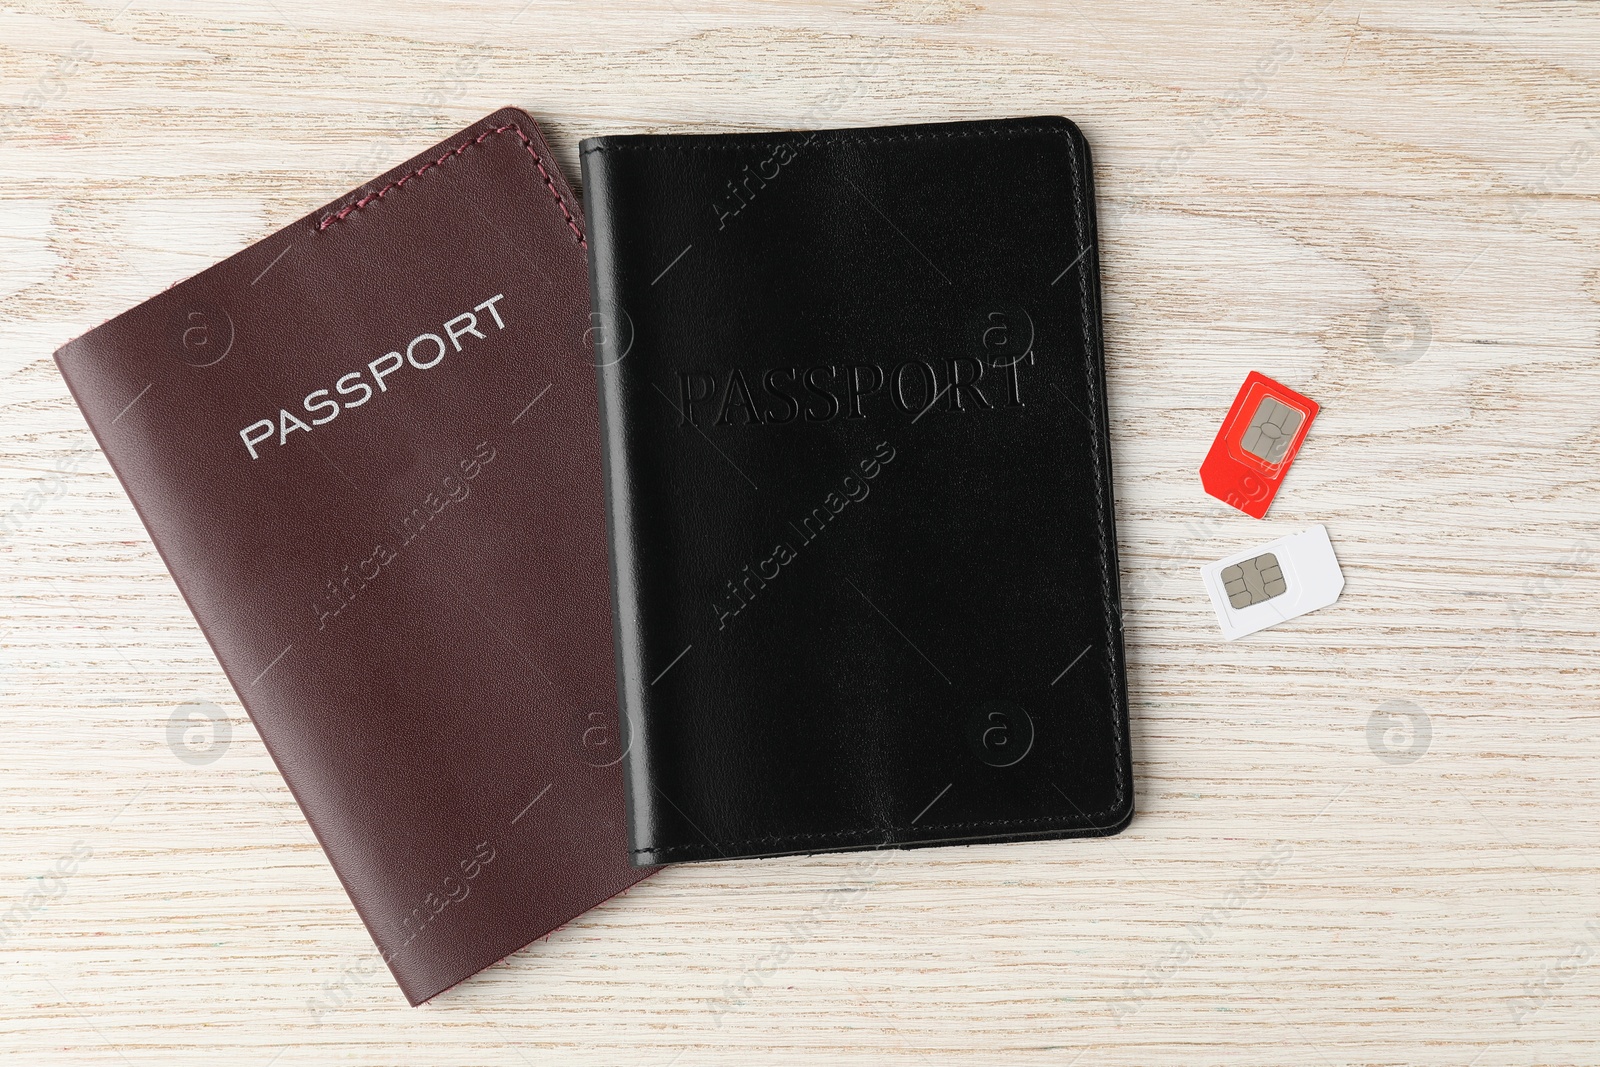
1264, 586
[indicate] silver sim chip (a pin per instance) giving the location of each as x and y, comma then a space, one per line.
1271, 429
1254, 581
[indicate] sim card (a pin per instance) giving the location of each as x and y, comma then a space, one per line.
1256, 444
1264, 586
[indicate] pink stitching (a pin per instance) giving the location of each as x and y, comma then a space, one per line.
572, 223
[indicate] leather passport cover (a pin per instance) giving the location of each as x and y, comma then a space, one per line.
367, 449
859, 487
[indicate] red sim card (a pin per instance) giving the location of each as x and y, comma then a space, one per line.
1256, 444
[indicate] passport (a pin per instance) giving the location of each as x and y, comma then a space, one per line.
367, 450
858, 473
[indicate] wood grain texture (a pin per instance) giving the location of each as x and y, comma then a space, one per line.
1368, 837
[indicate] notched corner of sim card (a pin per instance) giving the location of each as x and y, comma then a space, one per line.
1284, 579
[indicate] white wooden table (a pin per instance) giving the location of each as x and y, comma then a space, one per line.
1367, 837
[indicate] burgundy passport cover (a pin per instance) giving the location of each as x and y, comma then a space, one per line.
367, 449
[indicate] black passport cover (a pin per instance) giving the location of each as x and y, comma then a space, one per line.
852, 400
